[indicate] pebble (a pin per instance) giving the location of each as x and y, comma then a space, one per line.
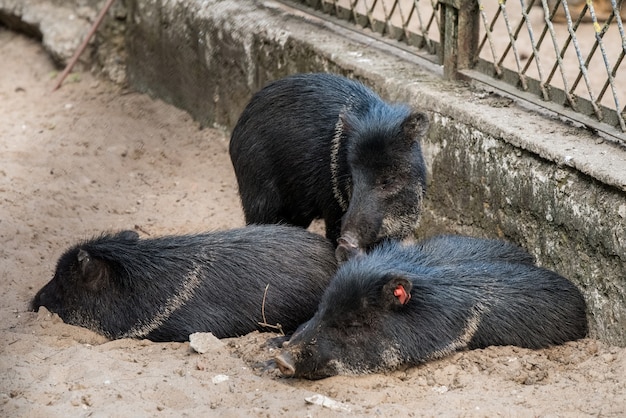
327, 402
203, 342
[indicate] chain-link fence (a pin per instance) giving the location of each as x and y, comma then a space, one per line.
566, 55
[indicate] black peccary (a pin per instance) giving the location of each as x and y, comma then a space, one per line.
391, 307
319, 145
166, 288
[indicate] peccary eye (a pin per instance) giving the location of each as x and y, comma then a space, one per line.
386, 182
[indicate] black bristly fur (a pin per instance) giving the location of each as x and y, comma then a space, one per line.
465, 293
281, 152
119, 285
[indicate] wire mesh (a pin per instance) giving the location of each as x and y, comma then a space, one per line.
569, 52
411, 21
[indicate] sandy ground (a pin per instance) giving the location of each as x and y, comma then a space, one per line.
92, 157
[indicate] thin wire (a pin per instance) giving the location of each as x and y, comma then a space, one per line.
607, 64
535, 48
488, 36
512, 45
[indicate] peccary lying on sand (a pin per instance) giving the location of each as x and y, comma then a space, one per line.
404, 304
166, 288
323, 146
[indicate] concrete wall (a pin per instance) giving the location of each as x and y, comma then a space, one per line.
496, 168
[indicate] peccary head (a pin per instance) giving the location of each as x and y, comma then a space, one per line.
388, 177
83, 286
355, 330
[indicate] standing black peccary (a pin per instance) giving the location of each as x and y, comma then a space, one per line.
398, 305
319, 145
166, 288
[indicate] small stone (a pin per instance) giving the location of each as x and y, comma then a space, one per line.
327, 402
440, 389
220, 378
203, 342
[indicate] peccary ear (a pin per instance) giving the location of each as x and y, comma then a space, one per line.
93, 271
415, 126
83, 259
397, 292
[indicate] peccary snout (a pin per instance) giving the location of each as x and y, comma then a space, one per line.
285, 364
347, 247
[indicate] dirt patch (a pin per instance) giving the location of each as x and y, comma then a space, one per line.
92, 157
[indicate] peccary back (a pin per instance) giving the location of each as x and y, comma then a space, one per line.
442, 250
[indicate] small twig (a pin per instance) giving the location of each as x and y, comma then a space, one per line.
82, 46
263, 305
264, 323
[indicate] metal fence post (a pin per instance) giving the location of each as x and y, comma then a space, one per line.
458, 35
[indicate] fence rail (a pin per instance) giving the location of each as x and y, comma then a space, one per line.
565, 55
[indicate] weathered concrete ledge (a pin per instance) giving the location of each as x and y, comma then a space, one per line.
61, 25
496, 169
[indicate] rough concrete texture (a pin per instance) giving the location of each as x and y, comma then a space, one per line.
496, 168
569, 221
209, 57
62, 25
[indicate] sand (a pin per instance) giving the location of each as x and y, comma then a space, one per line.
94, 157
